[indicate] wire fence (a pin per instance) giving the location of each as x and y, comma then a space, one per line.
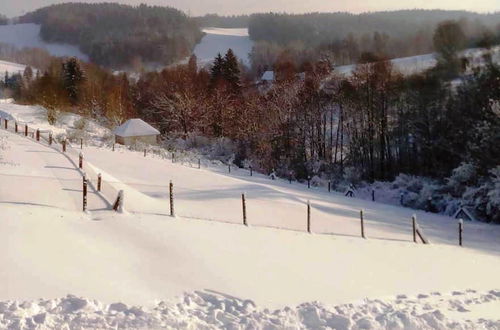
260, 207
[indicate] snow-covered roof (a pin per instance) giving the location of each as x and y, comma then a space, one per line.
136, 127
268, 76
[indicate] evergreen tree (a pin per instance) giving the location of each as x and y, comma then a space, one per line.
449, 39
216, 70
231, 70
73, 77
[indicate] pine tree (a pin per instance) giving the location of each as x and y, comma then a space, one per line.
73, 77
216, 70
231, 70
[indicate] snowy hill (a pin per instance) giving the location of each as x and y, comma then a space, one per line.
28, 35
417, 64
11, 68
218, 40
204, 263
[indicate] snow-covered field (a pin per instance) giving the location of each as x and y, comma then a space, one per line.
218, 40
417, 64
28, 36
11, 68
210, 270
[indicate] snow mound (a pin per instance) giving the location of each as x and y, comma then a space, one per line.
28, 36
213, 310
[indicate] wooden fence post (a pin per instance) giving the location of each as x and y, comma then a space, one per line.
373, 195
64, 145
38, 134
50, 138
15, 126
173, 157
113, 146
251, 171
172, 212
308, 216
460, 231
414, 224
229, 167
118, 205
362, 224
25, 129
99, 182
6, 124
81, 143
80, 160
308, 182
144, 152
199, 163
329, 186
244, 205
84, 192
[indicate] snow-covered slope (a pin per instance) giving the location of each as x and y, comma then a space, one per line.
11, 68
28, 35
218, 40
144, 255
416, 64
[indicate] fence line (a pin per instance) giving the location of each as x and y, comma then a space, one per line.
52, 143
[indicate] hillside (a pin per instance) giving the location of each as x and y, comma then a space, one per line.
204, 263
28, 36
10, 68
116, 35
220, 40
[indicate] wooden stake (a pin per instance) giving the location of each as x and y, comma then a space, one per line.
64, 145
362, 224
15, 126
80, 160
244, 204
84, 192
172, 212
460, 231
173, 158
251, 171
37, 134
113, 147
308, 182
329, 186
50, 138
309, 217
414, 224
199, 163
373, 195
81, 143
99, 182
144, 152
25, 130
6, 123
229, 167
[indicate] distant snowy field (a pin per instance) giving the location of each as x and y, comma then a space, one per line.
218, 40
11, 68
28, 36
417, 64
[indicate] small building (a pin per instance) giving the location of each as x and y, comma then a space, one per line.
136, 131
268, 77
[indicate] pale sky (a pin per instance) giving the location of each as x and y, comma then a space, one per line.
13, 8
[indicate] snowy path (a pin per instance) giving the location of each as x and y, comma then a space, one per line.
36, 174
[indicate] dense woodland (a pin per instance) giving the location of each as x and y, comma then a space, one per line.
375, 125
345, 37
119, 36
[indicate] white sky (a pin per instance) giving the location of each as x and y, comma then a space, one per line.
199, 7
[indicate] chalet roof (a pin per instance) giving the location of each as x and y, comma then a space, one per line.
135, 127
268, 76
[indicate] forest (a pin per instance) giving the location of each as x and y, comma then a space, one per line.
119, 36
345, 37
437, 134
